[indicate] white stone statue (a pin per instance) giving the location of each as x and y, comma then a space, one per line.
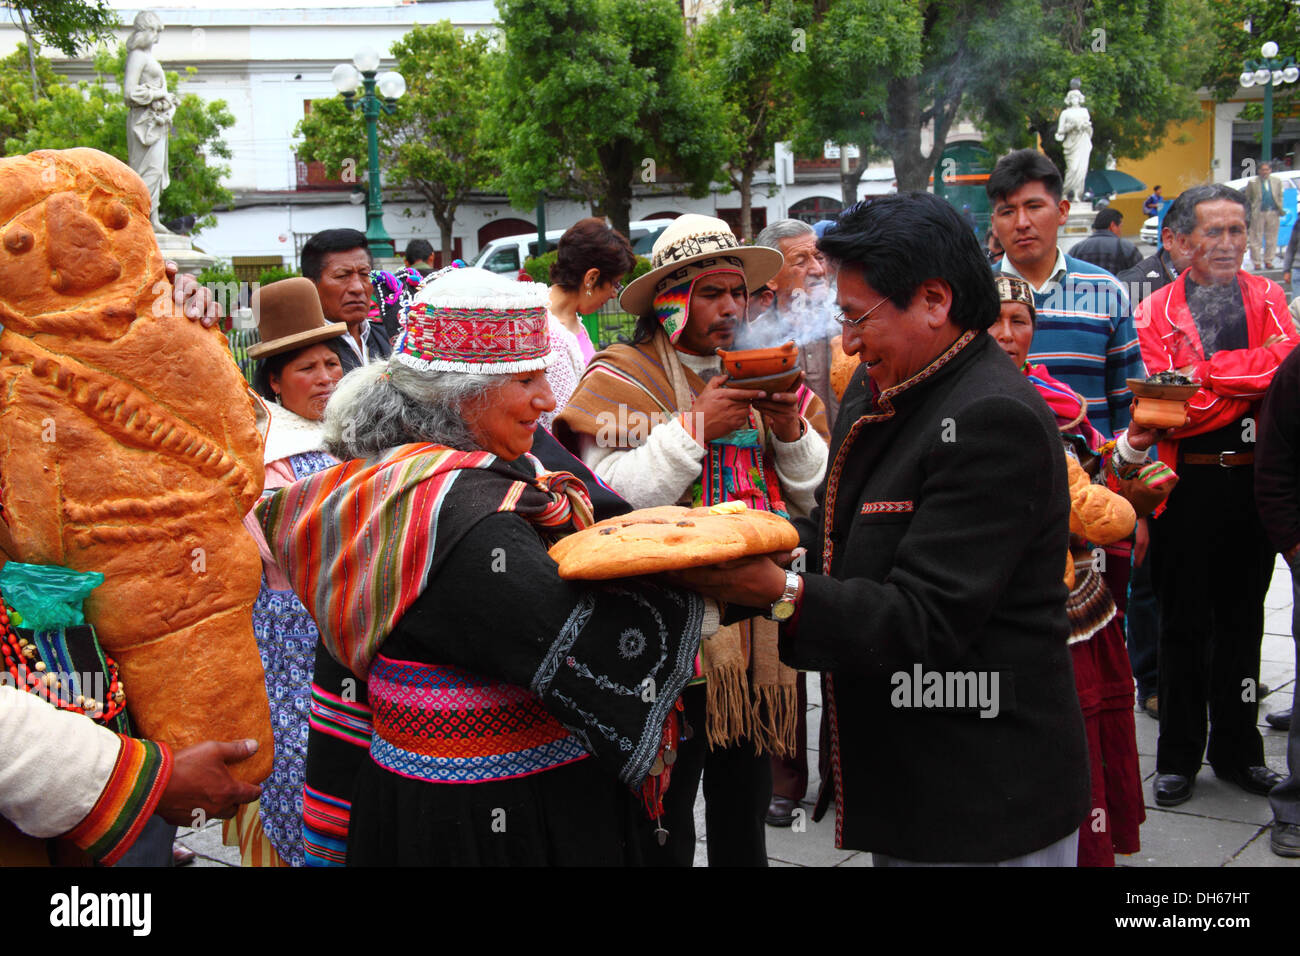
153, 110
1074, 131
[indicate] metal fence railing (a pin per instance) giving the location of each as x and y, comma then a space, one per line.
610, 325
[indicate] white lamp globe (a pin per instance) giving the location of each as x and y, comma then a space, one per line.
1269, 50
1291, 74
345, 78
1246, 80
1277, 77
1262, 76
366, 59
391, 85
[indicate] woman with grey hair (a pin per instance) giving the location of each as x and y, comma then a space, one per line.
517, 716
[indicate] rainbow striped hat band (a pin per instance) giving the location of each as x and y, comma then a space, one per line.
472, 320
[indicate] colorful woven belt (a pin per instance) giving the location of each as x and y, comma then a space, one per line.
446, 725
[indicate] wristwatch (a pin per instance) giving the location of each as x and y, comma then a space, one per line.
783, 608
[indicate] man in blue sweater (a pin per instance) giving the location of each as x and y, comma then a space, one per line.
1085, 333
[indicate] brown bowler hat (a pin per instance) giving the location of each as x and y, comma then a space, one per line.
289, 316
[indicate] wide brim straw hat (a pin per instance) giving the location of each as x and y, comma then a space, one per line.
475, 321
288, 317
690, 239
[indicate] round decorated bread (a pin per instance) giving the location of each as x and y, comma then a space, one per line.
668, 538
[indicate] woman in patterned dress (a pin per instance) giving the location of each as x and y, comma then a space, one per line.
299, 362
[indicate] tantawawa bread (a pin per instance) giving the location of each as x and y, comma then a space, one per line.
668, 538
128, 446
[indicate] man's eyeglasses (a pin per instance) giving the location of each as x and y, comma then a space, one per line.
843, 319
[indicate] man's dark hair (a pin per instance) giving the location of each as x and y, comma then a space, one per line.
1106, 217
1181, 216
900, 241
1023, 166
591, 244
274, 364
327, 241
417, 250
1155, 189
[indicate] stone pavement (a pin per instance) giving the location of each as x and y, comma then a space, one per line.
1220, 826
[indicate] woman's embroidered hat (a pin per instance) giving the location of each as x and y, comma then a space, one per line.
472, 320
691, 239
289, 316
1015, 289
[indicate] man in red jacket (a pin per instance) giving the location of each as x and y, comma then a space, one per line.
1211, 561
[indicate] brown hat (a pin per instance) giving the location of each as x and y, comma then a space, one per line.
289, 316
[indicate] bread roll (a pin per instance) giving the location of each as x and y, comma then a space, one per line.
129, 447
670, 537
1105, 517
842, 368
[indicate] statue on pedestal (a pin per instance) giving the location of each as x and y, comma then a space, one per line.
153, 110
1074, 132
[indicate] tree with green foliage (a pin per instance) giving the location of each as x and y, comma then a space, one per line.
93, 113
432, 144
1232, 46
66, 25
1139, 63
18, 94
594, 96
750, 51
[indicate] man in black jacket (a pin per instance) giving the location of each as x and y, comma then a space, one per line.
940, 538
1106, 247
339, 263
1277, 496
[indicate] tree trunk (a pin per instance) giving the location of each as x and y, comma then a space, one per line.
31, 55
1046, 130
850, 178
747, 205
903, 138
446, 222
617, 166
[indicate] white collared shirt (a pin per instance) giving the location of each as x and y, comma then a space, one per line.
362, 348
1058, 272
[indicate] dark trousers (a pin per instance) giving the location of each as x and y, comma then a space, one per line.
790, 774
737, 787
1142, 622
1285, 797
1211, 568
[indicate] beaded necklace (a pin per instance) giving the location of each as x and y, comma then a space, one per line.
20, 658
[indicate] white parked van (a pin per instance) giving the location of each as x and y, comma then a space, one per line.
508, 254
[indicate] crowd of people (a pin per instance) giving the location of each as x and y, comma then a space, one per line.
441, 696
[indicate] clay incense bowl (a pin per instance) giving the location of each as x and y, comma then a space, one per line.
759, 363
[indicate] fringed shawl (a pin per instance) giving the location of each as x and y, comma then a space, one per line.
359, 541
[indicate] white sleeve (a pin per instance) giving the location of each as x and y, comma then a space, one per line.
53, 764
653, 474
800, 467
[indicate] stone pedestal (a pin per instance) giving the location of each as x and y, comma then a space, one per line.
180, 250
1080, 222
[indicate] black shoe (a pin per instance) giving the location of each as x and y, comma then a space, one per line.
1280, 720
780, 812
1172, 789
1262, 690
1285, 839
1251, 779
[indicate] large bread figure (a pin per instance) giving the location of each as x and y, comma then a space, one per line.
128, 445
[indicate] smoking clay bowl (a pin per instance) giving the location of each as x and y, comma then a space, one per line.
1160, 406
769, 370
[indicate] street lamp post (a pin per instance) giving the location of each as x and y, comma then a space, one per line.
346, 78
1269, 72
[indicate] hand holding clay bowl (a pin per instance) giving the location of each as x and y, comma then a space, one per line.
1161, 404
770, 370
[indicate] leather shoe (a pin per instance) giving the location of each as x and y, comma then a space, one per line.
1172, 789
1285, 839
1151, 706
182, 855
780, 812
1280, 720
1251, 779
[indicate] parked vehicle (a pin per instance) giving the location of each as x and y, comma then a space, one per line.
1150, 231
508, 254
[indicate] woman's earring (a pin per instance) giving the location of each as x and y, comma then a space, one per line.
277, 399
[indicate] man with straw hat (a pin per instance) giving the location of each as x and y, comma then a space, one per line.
656, 421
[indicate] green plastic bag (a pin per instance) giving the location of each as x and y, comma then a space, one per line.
46, 596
